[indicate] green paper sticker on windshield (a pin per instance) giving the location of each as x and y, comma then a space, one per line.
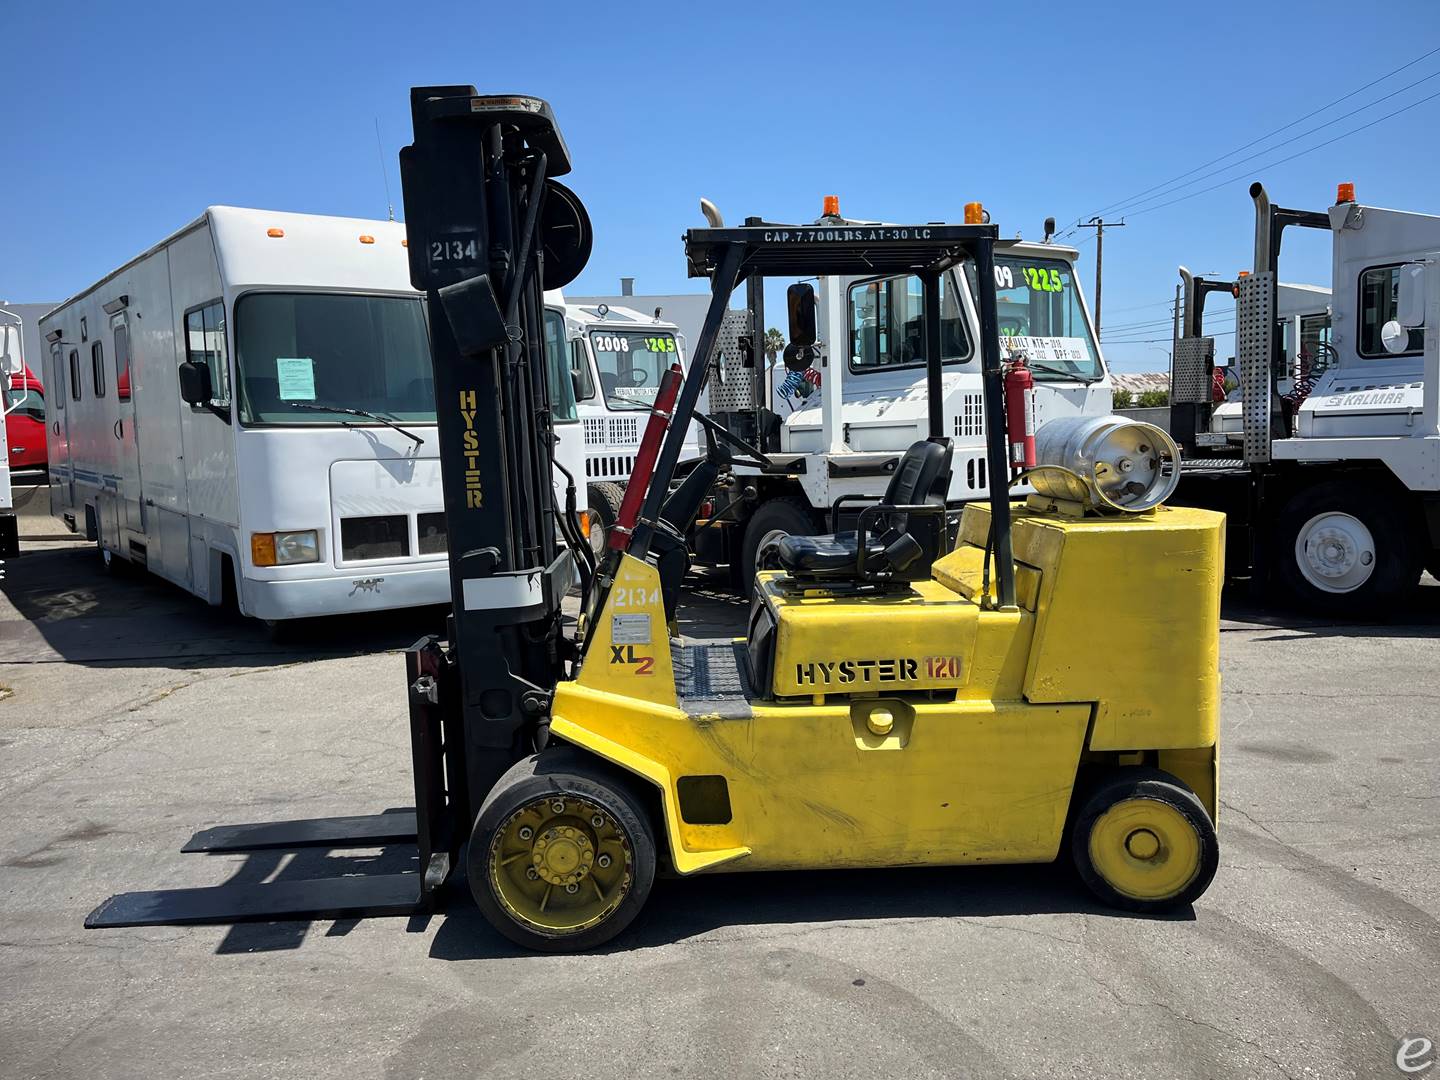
296, 376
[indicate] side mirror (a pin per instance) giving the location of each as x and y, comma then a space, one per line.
800, 298
195, 388
1410, 304
1394, 337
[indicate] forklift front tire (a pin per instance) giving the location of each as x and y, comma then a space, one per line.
1143, 842
562, 856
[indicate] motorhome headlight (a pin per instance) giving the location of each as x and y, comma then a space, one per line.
284, 548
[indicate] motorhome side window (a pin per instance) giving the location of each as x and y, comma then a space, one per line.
74, 374
301, 358
122, 359
57, 378
887, 320
1379, 297
205, 344
97, 368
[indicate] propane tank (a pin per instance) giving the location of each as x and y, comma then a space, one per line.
1020, 413
1107, 462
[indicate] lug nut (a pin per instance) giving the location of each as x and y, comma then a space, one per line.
531, 873
604, 861
572, 888
597, 821
526, 832
558, 806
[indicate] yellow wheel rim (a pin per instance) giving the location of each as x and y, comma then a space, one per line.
560, 864
1145, 849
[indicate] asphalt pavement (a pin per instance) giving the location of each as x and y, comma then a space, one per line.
132, 714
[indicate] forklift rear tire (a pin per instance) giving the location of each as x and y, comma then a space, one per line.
562, 855
604, 501
1348, 550
1142, 841
788, 514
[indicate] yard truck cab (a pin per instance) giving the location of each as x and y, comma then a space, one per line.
1335, 494
617, 358
834, 418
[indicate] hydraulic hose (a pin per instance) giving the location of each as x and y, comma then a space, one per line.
579, 546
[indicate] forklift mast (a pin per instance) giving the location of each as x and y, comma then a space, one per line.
488, 231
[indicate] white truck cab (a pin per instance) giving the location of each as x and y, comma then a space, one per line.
617, 356
845, 420
1338, 496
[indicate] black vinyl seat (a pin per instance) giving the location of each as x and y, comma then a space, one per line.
922, 479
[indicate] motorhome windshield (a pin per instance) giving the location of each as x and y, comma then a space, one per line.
630, 363
1040, 315
314, 350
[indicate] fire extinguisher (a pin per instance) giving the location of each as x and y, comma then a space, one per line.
1020, 413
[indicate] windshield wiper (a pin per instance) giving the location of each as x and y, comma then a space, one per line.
387, 421
1061, 371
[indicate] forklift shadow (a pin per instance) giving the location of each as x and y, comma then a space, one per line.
683, 908
298, 865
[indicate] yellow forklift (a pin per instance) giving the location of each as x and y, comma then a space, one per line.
1045, 685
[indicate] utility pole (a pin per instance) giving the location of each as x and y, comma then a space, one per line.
1099, 225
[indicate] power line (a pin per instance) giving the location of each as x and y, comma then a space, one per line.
1301, 153
1277, 131
1277, 146
1151, 341
1167, 320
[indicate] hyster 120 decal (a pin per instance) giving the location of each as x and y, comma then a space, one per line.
863, 672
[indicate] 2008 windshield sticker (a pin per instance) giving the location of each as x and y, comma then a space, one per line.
870, 233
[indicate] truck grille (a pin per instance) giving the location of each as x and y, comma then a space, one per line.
609, 467
595, 431
624, 429
375, 537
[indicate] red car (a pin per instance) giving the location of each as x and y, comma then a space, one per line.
25, 422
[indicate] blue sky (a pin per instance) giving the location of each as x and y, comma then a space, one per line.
123, 123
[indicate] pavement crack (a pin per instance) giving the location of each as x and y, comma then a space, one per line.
1186, 1018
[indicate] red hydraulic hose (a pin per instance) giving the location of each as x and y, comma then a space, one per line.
645, 459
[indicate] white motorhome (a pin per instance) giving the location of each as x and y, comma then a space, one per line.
845, 421
307, 482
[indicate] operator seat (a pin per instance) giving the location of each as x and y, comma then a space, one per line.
892, 549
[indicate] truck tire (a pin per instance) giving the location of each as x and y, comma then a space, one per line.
605, 500
1343, 549
787, 514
